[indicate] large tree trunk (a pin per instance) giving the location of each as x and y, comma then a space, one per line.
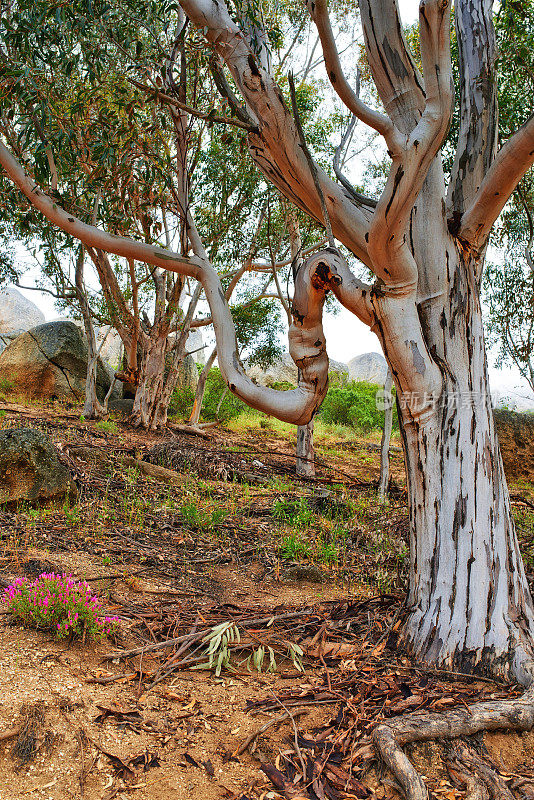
148, 412
469, 603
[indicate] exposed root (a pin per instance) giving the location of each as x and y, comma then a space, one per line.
389, 738
494, 784
461, 776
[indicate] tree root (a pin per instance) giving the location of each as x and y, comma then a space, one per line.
459, 775
494, 786
508, 715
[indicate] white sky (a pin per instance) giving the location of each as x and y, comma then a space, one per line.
346, 336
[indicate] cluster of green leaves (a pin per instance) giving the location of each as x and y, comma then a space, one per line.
509, 281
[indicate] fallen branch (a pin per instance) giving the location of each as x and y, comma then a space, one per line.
199, 634
282, 784
153, 471
191, 430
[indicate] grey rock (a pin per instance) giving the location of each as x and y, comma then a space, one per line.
112, 348
29, 467
285, 370
124, 405
187, 372
17, 313
195, 346
50, 362
370, 367
7, 338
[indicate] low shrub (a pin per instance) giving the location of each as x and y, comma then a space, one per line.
60, 604
182, 401
354, 405
230, 407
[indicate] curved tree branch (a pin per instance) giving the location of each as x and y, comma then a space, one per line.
306, 337
276, 148
395, 74
512, 161
387, 234
530, 222
319, 13
394, 300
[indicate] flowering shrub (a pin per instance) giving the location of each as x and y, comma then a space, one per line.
58, 603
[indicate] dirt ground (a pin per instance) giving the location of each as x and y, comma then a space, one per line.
174, 559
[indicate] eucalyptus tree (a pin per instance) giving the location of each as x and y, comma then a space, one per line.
425, 245
68, 104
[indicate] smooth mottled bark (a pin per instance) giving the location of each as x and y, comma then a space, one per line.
92, 407
305, 465
305, 451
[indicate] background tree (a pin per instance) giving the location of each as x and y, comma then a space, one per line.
509, 279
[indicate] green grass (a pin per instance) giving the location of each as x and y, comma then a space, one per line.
295, 513
6, 386
107, 426
294, 546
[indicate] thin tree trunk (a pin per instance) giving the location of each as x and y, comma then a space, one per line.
221, 399
383, 479
92, 408
201, 388
305, 451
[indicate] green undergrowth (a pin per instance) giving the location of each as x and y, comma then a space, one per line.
348, 407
